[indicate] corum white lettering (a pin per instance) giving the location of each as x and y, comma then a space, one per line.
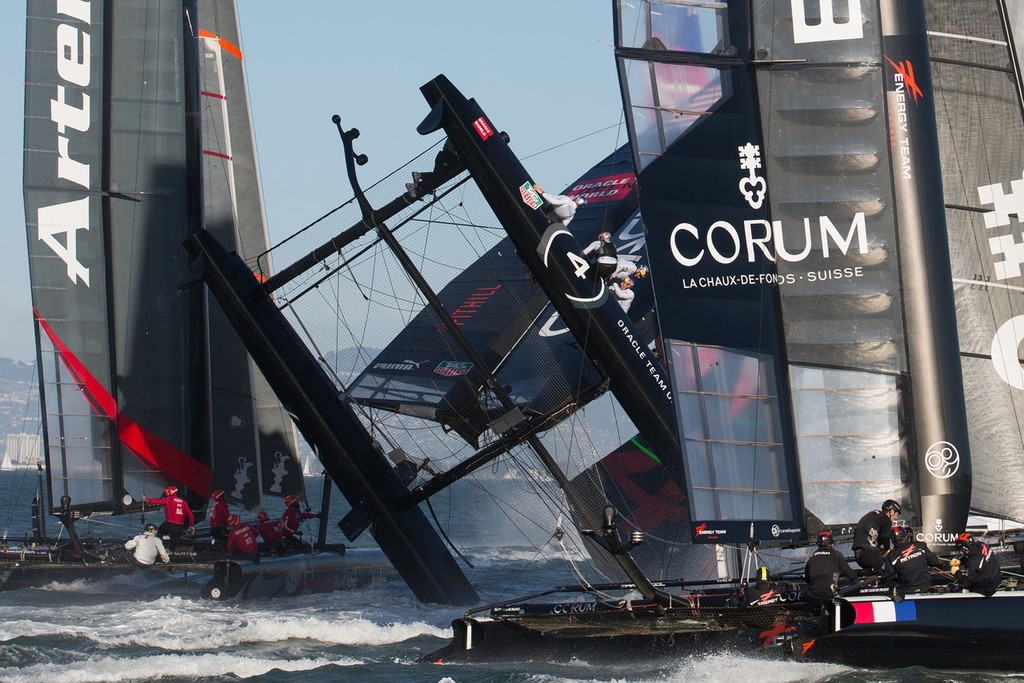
74, 60
686, 239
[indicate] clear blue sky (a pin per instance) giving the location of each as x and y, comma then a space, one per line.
544, 72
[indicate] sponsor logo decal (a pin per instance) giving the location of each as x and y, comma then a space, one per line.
899, 127
942, 460
604, 189
530, 195
401, 365
702, 531
753, 187
452, 368
473, 303
758, 240
482, 128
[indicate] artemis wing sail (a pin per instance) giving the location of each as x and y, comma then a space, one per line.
111, 191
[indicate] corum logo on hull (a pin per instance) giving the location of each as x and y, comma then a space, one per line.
58, 225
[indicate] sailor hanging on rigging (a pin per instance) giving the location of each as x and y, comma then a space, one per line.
564, 206
623, 293
605, 255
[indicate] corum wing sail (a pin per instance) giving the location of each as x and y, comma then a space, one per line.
788, 159
110, 194
252, 438
977, 80
495, 301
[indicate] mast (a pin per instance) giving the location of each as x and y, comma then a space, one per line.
354, 461
941, 447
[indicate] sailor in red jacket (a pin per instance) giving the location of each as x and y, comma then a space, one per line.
291, 520
269, 531
219, 516
176, 514
241, 538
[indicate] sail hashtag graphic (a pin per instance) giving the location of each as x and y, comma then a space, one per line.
1005, 206
753, 187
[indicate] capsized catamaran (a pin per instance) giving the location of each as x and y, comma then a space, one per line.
137, 134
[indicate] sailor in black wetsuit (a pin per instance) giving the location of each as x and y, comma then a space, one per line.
979, 569
823, 569
872, 535
762, 592
912, 560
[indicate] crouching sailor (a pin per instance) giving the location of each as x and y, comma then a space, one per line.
241, 539
912, 561
979, 569
763, 592
147, 546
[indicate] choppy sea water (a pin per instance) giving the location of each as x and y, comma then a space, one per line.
136, 628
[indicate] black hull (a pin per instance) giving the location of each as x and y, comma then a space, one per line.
298, 574
608, 633
337, 568
943, 631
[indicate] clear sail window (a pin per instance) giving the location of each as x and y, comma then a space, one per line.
665, 94
848, 440
727, 407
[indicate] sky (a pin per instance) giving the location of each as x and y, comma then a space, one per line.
544, 73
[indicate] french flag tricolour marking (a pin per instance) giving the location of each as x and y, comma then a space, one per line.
884, 612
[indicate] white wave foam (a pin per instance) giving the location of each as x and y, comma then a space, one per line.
186, 626
729, 667
116, 669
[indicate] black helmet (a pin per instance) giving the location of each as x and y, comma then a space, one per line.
902, 534
825, 539
151, 527
891, 505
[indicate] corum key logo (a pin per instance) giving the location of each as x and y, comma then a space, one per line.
752, 187
942, 460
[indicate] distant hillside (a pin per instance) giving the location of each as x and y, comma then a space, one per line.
19, 399
19, 396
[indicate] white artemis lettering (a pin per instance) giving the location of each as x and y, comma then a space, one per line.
74, 59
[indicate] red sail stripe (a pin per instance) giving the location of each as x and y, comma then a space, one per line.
224, 44
211, 153
207, 93
165, 457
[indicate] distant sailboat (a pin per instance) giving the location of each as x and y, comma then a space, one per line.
22, 451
